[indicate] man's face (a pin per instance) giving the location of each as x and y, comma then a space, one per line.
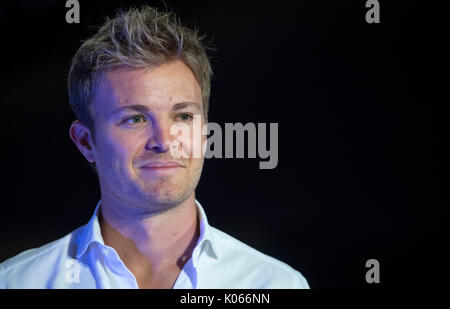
134, 111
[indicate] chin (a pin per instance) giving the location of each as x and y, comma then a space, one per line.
166, 196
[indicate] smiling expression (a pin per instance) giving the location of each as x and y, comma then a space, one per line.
134, 110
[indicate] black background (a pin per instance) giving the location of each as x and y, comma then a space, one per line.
363, 132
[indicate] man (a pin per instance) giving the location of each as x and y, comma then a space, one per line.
131, 85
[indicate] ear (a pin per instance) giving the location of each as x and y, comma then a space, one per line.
82, 137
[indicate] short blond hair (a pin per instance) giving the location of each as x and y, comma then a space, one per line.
143, 37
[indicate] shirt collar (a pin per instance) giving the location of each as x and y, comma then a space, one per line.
91, 233
206, 240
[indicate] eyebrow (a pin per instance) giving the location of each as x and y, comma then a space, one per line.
143, 108
182, 105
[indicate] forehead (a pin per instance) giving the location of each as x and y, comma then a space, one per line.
165, 85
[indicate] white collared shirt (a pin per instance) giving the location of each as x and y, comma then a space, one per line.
82, 260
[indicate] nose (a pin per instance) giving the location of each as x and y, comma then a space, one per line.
160, 137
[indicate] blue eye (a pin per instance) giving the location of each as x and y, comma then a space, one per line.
135, 119
185, 117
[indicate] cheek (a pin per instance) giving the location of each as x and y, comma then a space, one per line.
117, 152
196, 140
183, 141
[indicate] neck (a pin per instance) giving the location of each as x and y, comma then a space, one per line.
152, 244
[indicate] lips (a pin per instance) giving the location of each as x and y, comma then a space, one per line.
158, 165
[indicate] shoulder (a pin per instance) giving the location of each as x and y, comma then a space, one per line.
259, 269
30, 267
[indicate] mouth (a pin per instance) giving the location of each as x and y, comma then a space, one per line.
162, 166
